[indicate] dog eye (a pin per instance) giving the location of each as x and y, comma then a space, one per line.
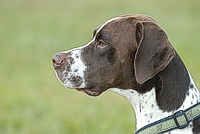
100, 44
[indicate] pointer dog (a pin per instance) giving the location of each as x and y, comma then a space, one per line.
132, 56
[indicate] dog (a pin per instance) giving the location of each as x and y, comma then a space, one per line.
132, 56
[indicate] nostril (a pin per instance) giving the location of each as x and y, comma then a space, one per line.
62, 61
53, 60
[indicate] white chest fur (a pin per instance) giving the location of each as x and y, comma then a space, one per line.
147, 110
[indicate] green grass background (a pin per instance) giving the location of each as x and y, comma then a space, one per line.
33, 101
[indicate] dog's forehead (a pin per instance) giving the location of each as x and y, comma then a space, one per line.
96, 30
136, 17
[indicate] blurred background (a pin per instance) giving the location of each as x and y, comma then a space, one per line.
33, 101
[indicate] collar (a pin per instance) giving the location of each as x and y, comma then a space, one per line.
178, 120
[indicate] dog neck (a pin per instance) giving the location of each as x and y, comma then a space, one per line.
171, 90
146, 107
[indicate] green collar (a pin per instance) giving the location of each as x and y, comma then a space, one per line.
178, 120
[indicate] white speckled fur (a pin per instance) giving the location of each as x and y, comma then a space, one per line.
77, 69
77, 65
147, 110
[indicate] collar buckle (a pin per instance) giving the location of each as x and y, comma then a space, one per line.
179, 122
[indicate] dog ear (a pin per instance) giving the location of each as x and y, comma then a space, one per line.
154, 52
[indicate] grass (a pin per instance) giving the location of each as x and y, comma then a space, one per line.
32, 101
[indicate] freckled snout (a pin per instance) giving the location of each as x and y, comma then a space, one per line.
59, 59
69, 68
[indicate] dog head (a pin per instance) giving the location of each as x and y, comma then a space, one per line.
123, 52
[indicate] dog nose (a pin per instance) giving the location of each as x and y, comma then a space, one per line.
58, 60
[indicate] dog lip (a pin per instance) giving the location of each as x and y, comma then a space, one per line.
88, 91
56, 67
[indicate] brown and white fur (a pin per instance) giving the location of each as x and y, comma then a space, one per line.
132, 56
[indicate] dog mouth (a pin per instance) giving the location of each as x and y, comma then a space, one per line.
91, 92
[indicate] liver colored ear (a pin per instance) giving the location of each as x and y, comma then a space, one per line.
154, 51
